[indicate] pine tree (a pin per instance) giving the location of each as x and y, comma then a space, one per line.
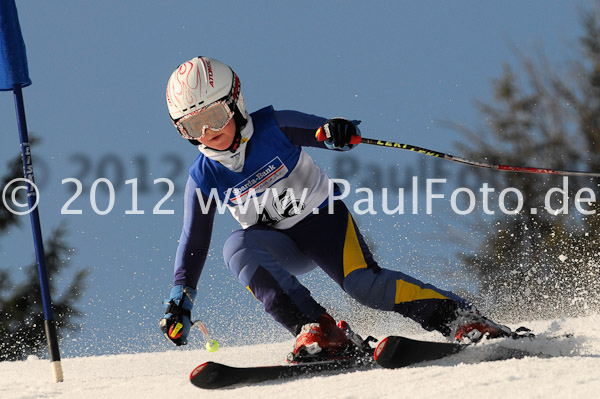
540, 264
21, 311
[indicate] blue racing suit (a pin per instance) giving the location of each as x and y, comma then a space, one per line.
289, 227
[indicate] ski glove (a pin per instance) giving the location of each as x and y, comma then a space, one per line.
338, 133
176, 323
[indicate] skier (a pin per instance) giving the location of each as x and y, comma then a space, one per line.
248, 159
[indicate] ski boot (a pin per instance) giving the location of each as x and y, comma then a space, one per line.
324, 340
473, 328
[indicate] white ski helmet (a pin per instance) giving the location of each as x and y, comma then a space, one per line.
197, 84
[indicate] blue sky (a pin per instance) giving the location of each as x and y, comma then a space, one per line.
99, 72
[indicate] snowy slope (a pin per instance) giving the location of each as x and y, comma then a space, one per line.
572, 372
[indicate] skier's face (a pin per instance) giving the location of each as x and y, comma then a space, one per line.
219, 139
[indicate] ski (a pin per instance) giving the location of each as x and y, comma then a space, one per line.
392, 352
397, 351
211, 375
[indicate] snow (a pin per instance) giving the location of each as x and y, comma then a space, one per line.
573, 371
562, 258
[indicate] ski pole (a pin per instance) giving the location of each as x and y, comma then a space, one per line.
211, 344
507, 168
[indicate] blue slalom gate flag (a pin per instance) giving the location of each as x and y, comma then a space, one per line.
13, 59
14, 75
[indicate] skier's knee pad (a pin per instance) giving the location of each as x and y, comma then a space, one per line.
373, 288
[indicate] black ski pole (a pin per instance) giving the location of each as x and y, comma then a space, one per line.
507, 168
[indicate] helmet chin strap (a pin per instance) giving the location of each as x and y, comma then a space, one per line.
237, 139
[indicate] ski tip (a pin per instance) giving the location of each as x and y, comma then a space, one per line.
198, 370
380, 347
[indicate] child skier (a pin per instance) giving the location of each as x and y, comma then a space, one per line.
248, 159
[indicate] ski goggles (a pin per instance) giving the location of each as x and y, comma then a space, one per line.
214, 117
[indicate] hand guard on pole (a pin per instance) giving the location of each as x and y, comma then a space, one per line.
176, 323
339, 134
